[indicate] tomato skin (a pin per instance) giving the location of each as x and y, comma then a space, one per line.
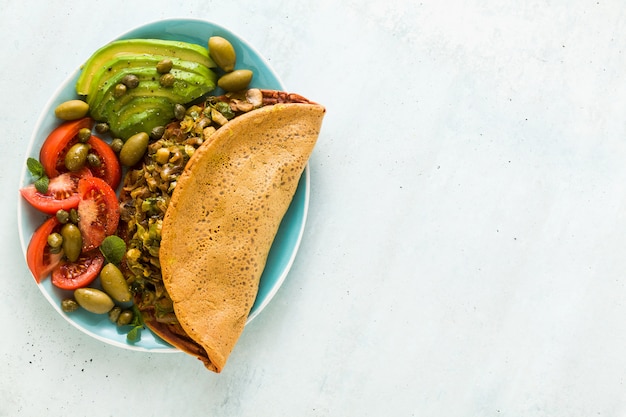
62, 193
72, 275
109, 170
51, 154
38, 256
98, 211
61, 139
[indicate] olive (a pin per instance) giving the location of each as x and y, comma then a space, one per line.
84, 135
167, 80
55, 240
119, 90
93, 300
72, 241
236, 80
116, 145
114, 284
76, 156
164, 66
134, 148
68, 305
179, 111
130, 81
71, 110
125, 318
222, 52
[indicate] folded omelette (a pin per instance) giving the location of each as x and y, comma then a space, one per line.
220, 223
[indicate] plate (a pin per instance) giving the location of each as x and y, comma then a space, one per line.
283, 251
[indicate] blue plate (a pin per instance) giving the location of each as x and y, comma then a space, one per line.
287, 241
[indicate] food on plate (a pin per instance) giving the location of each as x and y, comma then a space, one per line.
199, 220
134, 84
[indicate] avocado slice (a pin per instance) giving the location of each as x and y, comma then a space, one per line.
188, 86
127, 63
141, 114
174, 49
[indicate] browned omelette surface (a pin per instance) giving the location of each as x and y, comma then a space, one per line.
224, 215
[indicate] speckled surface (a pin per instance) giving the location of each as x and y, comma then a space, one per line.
464, 251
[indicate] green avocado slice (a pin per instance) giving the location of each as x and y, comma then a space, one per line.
141, 114
174, 49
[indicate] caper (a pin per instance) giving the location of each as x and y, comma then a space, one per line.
222, 52
74, 216
93, 160
114, 283
71, 110
55, 240
84, 135
179, 111
102, 127
93, 300
119, 90
164, 66
167, 80
76, 156
114, 314
236, 80
116, 145
72, 241
134, 149
63, 216
157, 132
130, 80
125, 318
68, 305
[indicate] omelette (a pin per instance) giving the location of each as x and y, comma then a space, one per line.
196, 257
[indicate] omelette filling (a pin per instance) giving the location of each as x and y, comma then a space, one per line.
147, 190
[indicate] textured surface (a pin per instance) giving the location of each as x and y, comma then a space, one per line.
464, 250
223, 217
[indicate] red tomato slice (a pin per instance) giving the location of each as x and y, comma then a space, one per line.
72, 275
56, 145
109, 169
52, 152
38, 256
62, 193
98, 211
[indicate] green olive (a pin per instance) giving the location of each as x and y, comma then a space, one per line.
72, 241
93, 300
222, 52
134, 148
76, 156
236, 80
164, 66
71, 110
114, 284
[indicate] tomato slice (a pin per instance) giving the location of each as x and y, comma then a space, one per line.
98, 211
38, 256
109, 169
56, 145
62, 193
52, 152
72, 275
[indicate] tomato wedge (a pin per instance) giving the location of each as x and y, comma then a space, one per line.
72, 275
61, 139
98, 211
52, 152
62, 193
38, 256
